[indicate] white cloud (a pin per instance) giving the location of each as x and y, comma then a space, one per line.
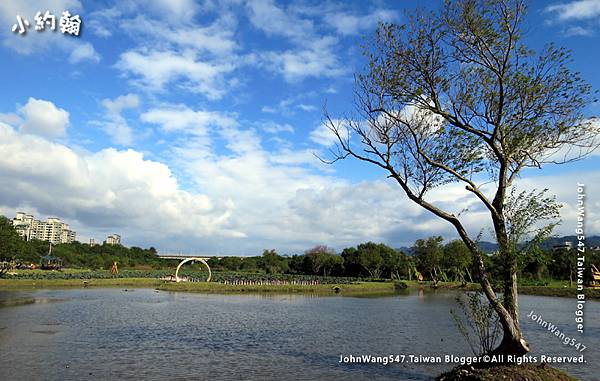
114, 124
312, 55
176, 53
217, 38
274, 21
349, 24
182, 118
154, 69
276, 128
10, 118
576, 10
120, 103
307, 108
249, 198
107, 190
176, 10
43, 118
105, 21
580, 18
316, 59
84, 52
323, 135
102, 22
579, 31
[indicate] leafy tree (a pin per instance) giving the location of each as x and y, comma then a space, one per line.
371, 259
231, 263
250, 264
395, 264
323, 260
562, 264
273, 263
11, 243
457, 260
428, 253
352, 266
296, 264
455, 96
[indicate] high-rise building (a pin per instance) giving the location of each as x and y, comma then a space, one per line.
113, 239
52, 230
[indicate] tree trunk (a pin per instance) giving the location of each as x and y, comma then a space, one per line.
512, 342
469, 274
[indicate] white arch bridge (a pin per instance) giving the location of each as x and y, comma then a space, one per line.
189, 258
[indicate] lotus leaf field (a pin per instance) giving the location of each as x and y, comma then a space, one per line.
219, 277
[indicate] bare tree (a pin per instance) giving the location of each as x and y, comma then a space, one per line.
455, 96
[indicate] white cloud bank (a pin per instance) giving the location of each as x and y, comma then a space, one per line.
120, 190
246, 197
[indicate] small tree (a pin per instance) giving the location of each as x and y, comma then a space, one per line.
455, 96
477, 322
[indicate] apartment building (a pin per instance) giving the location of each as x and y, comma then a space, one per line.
113, 239
52, 230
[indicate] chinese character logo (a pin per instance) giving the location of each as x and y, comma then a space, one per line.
46, 19
70, 24
21, 24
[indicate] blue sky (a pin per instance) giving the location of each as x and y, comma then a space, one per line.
193, 126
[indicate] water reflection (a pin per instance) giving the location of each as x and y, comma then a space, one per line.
114, 334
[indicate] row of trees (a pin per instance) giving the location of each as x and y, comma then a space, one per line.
431, 258
368, 260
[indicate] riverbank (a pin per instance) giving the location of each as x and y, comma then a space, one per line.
349, 289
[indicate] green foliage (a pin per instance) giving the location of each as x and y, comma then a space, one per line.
322, 260
457, 261
429, 254
374, 260
218, 276
11, 243
272, 263
75, 255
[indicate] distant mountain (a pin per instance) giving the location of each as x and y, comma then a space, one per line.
589, 241
490, 247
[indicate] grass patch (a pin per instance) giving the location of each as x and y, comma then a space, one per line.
16, 284
355, 289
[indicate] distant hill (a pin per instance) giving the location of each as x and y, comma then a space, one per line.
490, 247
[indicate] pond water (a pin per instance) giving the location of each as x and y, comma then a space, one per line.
144, 334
